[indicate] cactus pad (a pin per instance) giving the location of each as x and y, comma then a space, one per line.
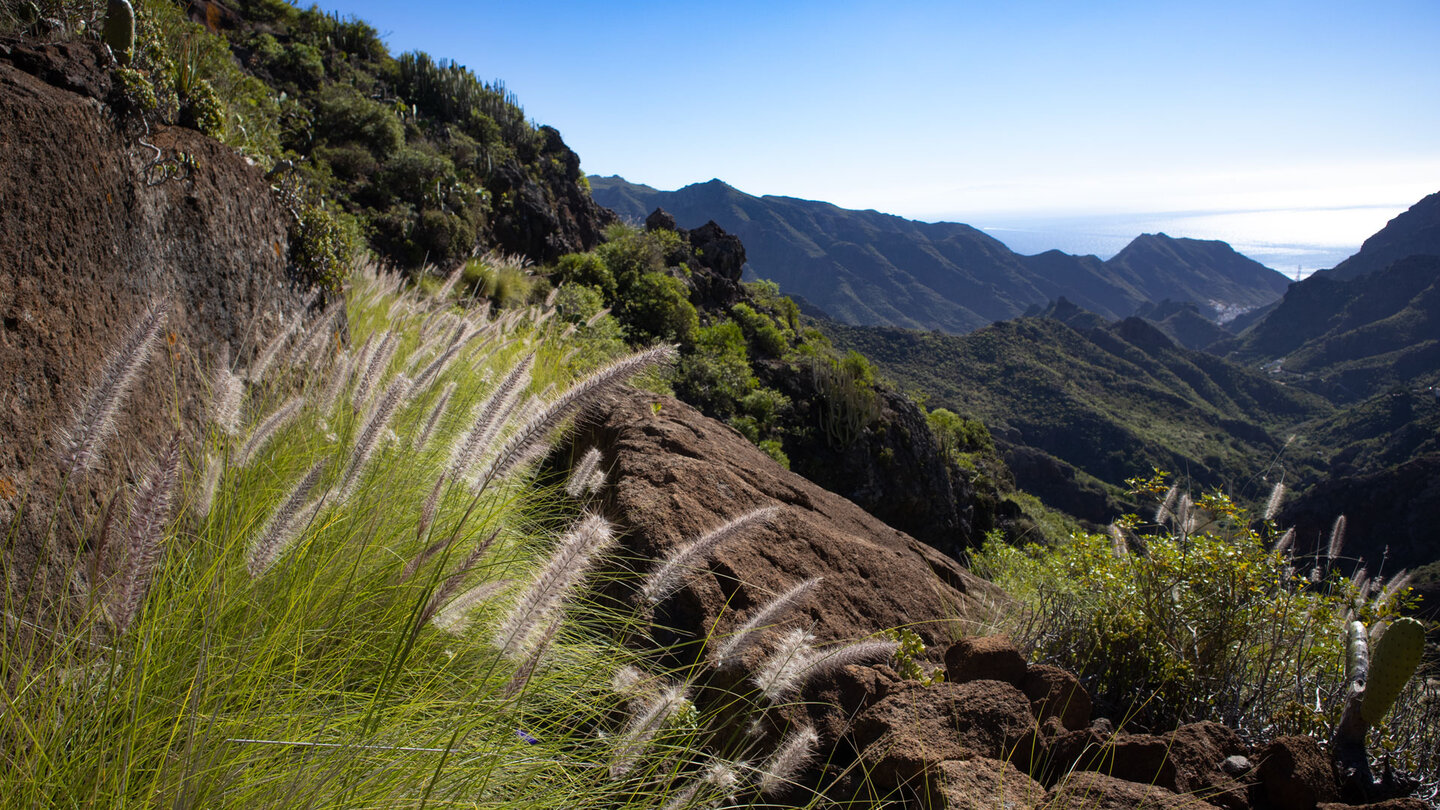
1397, 653
119, 31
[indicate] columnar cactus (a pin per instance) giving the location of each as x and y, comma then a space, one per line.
1375, 682
120, 29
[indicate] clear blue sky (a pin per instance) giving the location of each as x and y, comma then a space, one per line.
995, 111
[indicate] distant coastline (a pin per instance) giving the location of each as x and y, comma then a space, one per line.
1286, 240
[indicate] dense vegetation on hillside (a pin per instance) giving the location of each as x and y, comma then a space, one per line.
1110, 401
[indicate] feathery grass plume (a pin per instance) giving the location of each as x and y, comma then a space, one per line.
440, 545
522, 675
205, 498
719, 777
579, 480
451, 584
594, 319
490, 416
1118, 548
728, 654
227, 391
1286, 540
339, 375
529, 441
577, 551
145, 540
436, 412
442, 294
669, 576
783, 673
1337, 539
1272, 505
596, 482
370, 435
454, 617
1184, 518
1164, 512
95, 420
317, 335
438, 364
642, 728
267, 428
279, 532
794, 753
823, 662
1397, 583
374, 370
256, 372
427, 509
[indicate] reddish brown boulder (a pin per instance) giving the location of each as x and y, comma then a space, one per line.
1296, 775
983, 784
1187, 760
991, 658
1054, 692
918, 727
677, 474
1096, 791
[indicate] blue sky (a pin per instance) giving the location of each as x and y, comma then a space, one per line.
996, 114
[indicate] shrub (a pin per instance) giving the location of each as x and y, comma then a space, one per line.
589, 270
1199, 619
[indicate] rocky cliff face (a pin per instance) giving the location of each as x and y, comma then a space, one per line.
92, 230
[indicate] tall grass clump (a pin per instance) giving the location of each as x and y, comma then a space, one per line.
1204, 614
352, 588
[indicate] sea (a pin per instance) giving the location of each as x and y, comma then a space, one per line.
1296, 242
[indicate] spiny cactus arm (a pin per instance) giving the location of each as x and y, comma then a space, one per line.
1347, 744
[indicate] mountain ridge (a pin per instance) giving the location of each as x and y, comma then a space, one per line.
871, 268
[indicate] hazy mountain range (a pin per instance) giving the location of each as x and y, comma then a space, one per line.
869, 268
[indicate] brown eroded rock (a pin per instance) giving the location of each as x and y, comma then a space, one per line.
1187, 760
983, 784
1055, 692
677, 474
918, 727
991, 658
85, 243
1295, 775
1096, 791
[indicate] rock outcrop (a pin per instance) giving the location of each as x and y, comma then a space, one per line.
678, 473
89, 235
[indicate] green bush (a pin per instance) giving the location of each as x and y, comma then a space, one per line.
589, 270
1198, 620
323, 246
766, 338
657, 307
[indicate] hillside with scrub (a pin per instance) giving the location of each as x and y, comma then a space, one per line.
352, 456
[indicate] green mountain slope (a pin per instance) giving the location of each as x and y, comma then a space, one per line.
1351, 339
1111, 402
868, 268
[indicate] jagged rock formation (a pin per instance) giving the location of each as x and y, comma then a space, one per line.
87, 238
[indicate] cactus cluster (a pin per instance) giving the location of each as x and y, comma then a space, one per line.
1375, 682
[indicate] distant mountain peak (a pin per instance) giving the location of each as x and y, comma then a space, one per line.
867, 267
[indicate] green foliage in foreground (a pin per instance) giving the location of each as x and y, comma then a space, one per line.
415, 634
1204, 616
